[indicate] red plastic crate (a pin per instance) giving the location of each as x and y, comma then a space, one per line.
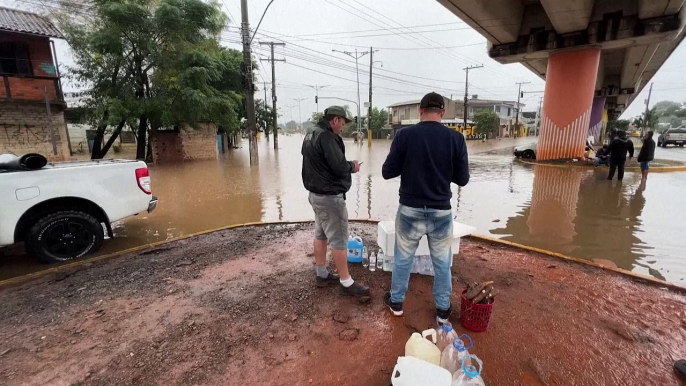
474, 317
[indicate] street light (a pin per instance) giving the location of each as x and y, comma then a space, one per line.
300, 117
356, 56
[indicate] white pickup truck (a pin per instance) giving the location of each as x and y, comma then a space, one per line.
58, 210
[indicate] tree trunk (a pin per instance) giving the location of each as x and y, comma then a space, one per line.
96, 152
114, 136
141, 142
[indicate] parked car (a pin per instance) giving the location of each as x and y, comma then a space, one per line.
672, 137
529, 151
59, 210
526, 151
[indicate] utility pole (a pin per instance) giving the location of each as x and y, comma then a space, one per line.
645, 117
369, 112
356, 56
519, 94
276, 128
316, 89
300, 117
466, 94
249, 88
264, 104
538, 115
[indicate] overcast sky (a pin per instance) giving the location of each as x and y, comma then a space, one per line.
411, 60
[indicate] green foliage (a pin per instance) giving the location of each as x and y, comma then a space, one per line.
486, 121
647, 122
154, 64
316, 117
379, 119
619, 124
264, 114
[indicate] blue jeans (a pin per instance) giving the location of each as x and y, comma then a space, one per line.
410, 225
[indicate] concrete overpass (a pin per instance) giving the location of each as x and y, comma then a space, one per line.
584, 49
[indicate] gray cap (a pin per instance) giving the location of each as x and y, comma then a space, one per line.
337, 111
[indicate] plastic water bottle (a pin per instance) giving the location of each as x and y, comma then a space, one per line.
386, 261
468, 374
446, 335
365, 258
379, 260
453, 355
372, 262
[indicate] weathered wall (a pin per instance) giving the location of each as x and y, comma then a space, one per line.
24, 129
187, 145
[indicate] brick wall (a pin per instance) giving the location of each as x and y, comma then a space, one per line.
29, 88
40, 53
24, 129
187, 145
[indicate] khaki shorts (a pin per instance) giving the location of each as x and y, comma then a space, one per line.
330, 219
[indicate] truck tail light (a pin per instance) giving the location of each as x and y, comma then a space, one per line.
143, 179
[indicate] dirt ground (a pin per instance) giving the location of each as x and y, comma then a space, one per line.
239, 307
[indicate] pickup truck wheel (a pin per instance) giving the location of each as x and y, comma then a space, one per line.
63, 236
529, 154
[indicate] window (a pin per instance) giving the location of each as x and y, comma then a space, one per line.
509, 112
14, 59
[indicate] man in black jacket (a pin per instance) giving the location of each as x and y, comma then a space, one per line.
618, 149
428, 157
646, 155
326, 175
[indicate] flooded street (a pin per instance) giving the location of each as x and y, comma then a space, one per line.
576, 212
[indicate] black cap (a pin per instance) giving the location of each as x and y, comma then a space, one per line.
432, 100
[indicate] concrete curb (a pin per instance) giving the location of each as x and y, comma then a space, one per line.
636, 276
656, 169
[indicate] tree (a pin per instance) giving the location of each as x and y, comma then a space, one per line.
265, 117
618, 124
379, 120
316, 117
291, 125
486, 122
648, 121
153, 64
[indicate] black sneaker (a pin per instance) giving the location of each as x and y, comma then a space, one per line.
354, 290
680, 368
324, 281
443, 315
396, 308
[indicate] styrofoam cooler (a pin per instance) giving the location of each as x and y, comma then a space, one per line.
386, 238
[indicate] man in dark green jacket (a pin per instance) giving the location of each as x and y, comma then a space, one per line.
326, 175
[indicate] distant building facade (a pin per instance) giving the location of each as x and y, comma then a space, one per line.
407, 113
30, 76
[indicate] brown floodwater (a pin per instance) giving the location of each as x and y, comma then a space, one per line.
572, 211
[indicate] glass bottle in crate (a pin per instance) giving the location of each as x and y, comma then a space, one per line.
372, 262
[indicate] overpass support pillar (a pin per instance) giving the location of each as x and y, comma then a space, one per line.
569, 88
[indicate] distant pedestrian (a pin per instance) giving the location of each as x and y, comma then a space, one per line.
428, 157
326, 174
646, 155
618, 150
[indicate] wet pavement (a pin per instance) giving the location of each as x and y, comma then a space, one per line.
572, 211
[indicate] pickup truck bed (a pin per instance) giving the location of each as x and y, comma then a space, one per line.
58, 211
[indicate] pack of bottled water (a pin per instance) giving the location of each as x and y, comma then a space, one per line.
421, 264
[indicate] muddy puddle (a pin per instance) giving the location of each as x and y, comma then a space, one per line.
239, 307
571, 211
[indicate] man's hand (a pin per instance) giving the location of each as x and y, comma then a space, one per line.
356, 166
